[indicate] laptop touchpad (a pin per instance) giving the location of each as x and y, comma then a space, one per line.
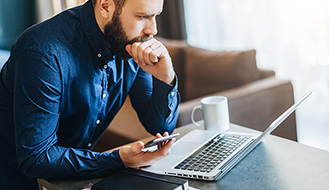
184, 148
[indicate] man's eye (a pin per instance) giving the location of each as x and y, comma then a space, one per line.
145, 16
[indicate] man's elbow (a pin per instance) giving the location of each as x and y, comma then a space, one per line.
31, 167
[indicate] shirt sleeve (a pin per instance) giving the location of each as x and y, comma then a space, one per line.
37, 98
155, 102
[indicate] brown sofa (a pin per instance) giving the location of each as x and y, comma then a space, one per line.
256, 97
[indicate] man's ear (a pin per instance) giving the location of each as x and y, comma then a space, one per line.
106, 8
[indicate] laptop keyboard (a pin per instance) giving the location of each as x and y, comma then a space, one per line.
212, 153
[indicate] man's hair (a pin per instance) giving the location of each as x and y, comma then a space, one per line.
118, 4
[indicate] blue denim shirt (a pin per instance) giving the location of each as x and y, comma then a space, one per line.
59, 91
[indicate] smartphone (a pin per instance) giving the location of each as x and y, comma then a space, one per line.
158, 140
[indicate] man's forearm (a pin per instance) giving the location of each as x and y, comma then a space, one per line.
61, 162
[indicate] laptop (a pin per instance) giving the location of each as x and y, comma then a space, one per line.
207, 155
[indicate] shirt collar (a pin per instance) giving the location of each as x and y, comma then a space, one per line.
94, 34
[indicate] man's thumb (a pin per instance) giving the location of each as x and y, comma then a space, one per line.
128, 48
137, 147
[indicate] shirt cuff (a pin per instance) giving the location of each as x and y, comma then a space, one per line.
161, 88
111, 162
164, 91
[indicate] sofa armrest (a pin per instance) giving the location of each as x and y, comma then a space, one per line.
254, 105
264, 73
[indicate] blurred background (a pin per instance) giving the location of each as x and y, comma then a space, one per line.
290, 36
16, 16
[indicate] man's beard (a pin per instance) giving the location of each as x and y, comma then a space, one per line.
117, 39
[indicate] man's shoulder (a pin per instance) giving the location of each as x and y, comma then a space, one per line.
55, 33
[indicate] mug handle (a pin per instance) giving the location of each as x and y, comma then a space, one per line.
192, 115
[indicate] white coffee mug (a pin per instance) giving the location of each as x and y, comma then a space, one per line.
215, 113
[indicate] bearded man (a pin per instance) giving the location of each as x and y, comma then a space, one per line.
68, 77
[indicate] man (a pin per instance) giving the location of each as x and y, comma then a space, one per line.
65, 81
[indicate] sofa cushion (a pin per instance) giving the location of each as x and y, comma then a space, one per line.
213, 71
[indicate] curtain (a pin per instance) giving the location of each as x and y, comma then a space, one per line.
290, 37
171, 23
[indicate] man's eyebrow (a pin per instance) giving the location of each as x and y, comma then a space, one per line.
149, 14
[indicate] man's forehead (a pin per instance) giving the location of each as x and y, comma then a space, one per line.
145, 6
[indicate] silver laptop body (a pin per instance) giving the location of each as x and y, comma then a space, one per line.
190, 143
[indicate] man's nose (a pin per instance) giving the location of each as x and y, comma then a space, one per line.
151, 27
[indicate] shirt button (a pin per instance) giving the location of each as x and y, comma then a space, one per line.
105, 66
89, 145
104, 96
99, 55
172, 93
98, 122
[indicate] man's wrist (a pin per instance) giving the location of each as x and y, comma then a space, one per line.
171, 79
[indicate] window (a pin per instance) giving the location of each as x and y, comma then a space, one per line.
290, 37
49, 8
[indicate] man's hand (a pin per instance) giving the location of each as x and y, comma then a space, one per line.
134, 157
153, 57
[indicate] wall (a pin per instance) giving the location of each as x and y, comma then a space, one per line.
15, 17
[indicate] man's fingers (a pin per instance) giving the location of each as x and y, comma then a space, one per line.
165, 150
133, 156
163, 143
155, 45
146, 53
147, 56
147, 44
144, 50
153, 58
153, 55
160, 153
